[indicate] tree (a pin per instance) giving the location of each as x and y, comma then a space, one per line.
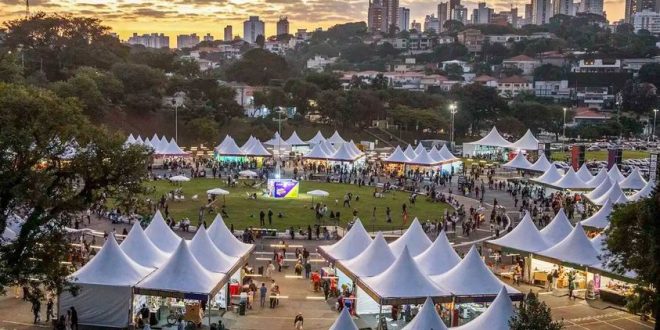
202, 130
357, 52
300, 94
453, 26
143, 86
454, 70
650, 73
533, 315
187, 68
260, 41
379, 82
10, 68
386, 50
324, 80
549, 72
257, 67
57, 165
638, 98
96, 90
477, 104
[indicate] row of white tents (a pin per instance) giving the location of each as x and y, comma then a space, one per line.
344, 152
420, 156
154, 262
494, 140
160, 146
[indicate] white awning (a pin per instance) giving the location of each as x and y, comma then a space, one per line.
523, 237
601, 189
439, 257
336, 139
414, 238
551, 175
519, 162
570, 180
351, 245
600, 219
493, 139
141, 249
597, 180
225, 241
373, 260
161, 234
575, 248
644, 193
318, 138
615, 174
557, 229
541, 165
208, 255
634, 180
397, 156
295, 140
527, 142
427, 318
584, 174
496, 317
344, 322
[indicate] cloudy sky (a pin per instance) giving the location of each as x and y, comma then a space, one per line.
210, 16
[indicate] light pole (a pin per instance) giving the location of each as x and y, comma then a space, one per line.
564, 127
176, 119
655, 116
452, 110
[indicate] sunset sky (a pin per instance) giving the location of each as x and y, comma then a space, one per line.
174, 17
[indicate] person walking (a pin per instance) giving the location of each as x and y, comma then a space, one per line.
74, 318
270, 217
262, 217
49, 310
36, 309
263, 291
298, 322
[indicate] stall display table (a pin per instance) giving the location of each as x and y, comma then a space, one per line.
541, 277
613, 296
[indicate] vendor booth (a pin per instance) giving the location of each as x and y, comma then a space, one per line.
492, 144
415, 239
496, 316
229, 152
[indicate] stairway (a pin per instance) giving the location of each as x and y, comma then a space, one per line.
385, 137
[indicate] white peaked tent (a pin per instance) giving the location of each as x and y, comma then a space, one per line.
278, 142
344, 322
557, 229
354, 148
439, 257
601, 189
575, 248
615, 194
584, 174
402, 282
141, 249
130, 140
634, 180
615, 174
644, 193
435, 154
524, 237
182, 274
352, 244
163, 142
336, 139
550, 176
597, 180
519, 162
527, 142
149, 145
541, 165
254, 148
493, 139
318, 138
317, 152
225, 241
343, 154
228, 147
446, 154
161, 234
209, 256
423, 159
295, 140
410, 152
496, 317
138, 140
471, 277
224, 142
419, 149
328, 147
600, 219
155, 139
427, 318
105, 282
373, 260
570, 180
397, 156
414, 238
172, 149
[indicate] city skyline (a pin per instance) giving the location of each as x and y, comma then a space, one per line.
126, 17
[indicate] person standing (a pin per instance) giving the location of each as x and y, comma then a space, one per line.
49, 309
270, 217
74, 318
298, 321
263, 291
262, 217
36, 309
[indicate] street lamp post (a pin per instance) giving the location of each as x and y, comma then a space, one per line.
564, 127
655, 116
452, 110
176, 119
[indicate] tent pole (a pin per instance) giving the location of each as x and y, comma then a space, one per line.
451, 312
380, 314
130, 309
208, 304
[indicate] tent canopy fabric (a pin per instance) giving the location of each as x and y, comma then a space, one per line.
575, 248
423, 159
601, 189
161, 234
493, 139
615, 194
208, 255
228, 147
410, 152
318, 138
278, 142
526, 142
600, 219
439, 257
344, 322
254, 148
446, 154
343, 154
519, 162
597, 180
414, 238
584, 174
141, 249
419, 149
295, 140
551, 175
171, 149
225, 240
435, 155
524, 237
427, 318
397, 156
373, 260
541, 165
317, 152
351, 245
615, 174
336, 139
644, 193
557, 229
496, 317
570, 180
634, 180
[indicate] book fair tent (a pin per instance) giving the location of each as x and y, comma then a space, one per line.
557, 229
615, 194
634, 181
570, 180
488, 144
598, 179
519, 162
375, 259
317, 139
496, 316
575, 249
415, 239
644, 192
420, 149
600, 190
209, 256
584, 174
427, 318
141, 249
105, 287
161, 234
439, 257
541, 165
615, 174
410, 152
336, 139
226, 242
550, 176
447, 155
600, 219
353, 243
278, 142
344, 322
397, 156
526, 142
523, 237
295, 140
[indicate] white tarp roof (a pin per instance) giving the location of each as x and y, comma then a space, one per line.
600, 177
446, 154
493, 139
435, 154
584, 174
225, 240
397, 156
570, 180
130, 140
224, 142
644, 193
295, 140
439, 257
344, 154
161, 234
317, 152
410, 152
414, 238
423, 159
278, 142
112, 267
541, 165
601, 189
634, 180
354, 148
336, 139
557, 229
373, 260
496, 317
352, 244
471, 277
141, 249
328, 147
403, 279
172, 149
419, 149
524, 237
575, 248
427, 318
527, 142
519, 162
318, 138
600, 219
344, 322
228, 147
182, 273
615, 174
615, 194
163, 142
208, 255
550, 176
138, 140
253, 147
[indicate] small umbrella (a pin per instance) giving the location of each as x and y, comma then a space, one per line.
218, 191
318, 193
247, 173
179, 178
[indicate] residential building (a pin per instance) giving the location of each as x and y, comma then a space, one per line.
318, 62
634, 64
529, 14
392, 12
514, 85
585, 115
511, 17
208, 37
431, 23
302, 34
252, 28
506, 38
417, 26
283, 26
646, 20
485, 80
403, 19
187, 40
482, 14
564, 7
376, 19
473, 39
523, 62
452, 7
541, 11
637, 6
498, 19
229, 34
591, 7
460, 13
595, 97
443, 12
597, 66
153, 40
463, 64
558, 90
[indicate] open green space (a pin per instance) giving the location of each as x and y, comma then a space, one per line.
602, 155
244, 212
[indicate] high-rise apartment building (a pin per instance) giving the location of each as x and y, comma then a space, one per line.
452, 6
187, 40
382, 15
563, 7
283, 26
646, 20
482, 14
431, 23
153, 40
460, 13
229, 33
417, 26
529, 12
392, 12
541, 11
592, 7
443, 12
252, 28
637, 6
208, 37
403, 19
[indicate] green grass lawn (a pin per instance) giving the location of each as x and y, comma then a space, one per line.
602, 155
244, 212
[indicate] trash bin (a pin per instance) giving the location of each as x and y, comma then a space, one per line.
241, 308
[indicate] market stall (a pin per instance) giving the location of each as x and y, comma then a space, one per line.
161, 234
600, 219
229, 152
496, 316
426, 318
634, 181
492, 144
